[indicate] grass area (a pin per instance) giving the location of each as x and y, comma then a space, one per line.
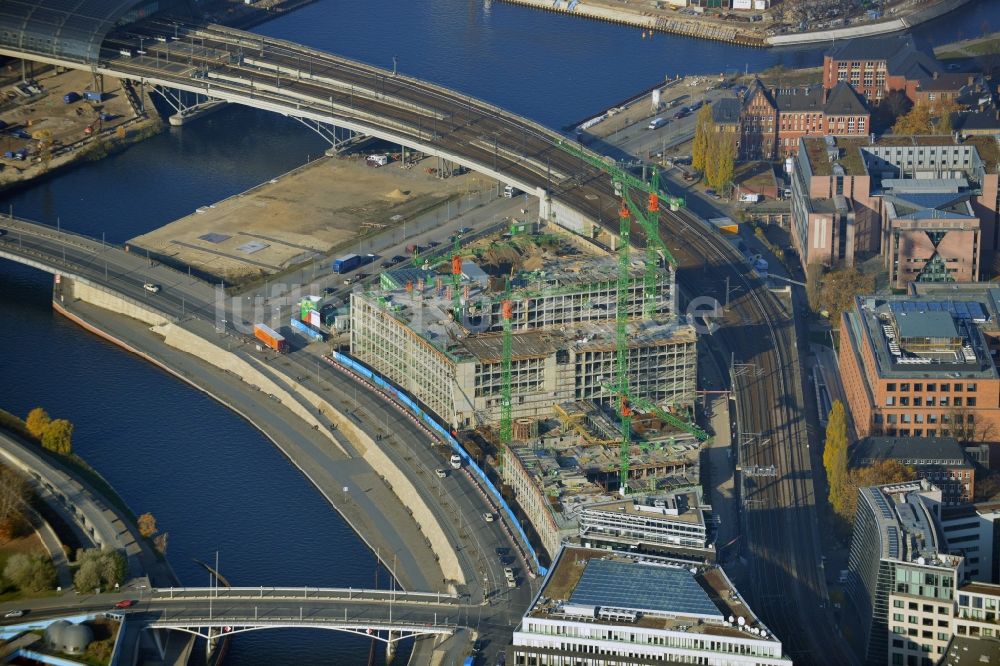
971, 48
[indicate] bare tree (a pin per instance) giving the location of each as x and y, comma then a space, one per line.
13, 493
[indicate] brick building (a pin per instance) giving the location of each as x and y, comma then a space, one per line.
923, 365
876, 66
773, 120
940, 460
928, 203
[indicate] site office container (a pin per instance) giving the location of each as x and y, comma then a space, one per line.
270, 337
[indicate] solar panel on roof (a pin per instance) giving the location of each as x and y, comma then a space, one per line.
642, 587
893, 541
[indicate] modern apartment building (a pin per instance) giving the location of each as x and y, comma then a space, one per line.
902, 582
923, 366
973, 531
597, 608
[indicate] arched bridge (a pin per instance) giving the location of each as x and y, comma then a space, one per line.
386, 615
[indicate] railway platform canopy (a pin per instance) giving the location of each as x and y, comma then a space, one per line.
70, 30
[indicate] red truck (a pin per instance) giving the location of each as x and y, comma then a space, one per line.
270, 337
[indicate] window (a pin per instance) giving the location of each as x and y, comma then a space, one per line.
918, 386
945, 387
958, 401
932, 387
905, 386
890, 400
971, 388
970, 402
904, 401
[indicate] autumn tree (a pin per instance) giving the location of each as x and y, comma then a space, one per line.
967, 430
704, 130
917, 121
32, 572
839, 288
722, 157
879, 473
944, 110
147, 525
13, 493
835, 456
37, 422
58, 437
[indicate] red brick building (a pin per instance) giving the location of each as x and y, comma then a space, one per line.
773, 120
876, 66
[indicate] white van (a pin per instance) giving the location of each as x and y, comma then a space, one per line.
510, 192
749, 197
456, 461
657, 123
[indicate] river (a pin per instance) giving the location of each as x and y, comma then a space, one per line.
213, 481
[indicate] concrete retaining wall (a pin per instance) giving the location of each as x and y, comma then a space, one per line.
884, 27
404, 489
199, 347
111, 302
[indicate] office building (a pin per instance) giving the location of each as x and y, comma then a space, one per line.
598, 608
923, 365
901, 580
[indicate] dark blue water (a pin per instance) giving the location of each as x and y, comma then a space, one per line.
214, 482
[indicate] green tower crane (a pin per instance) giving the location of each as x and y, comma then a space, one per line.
656, 251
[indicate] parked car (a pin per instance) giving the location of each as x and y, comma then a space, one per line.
432, 243
328, 291
396, 259
464, 230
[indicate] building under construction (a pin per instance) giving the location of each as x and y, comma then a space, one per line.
440, 336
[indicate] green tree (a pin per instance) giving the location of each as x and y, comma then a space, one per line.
835, 456
37, 422
31, 572
99, 568
917, 121
58, 437
147, 525
704, 130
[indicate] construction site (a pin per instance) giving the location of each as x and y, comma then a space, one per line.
441, 336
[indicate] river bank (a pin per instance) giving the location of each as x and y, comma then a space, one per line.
735, 28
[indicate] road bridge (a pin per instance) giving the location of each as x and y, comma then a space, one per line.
327, 91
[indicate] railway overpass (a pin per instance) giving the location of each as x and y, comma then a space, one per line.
327, 91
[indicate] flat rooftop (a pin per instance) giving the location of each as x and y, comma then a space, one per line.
906, 529
677, 506
927, 336
660, 592
850, 149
